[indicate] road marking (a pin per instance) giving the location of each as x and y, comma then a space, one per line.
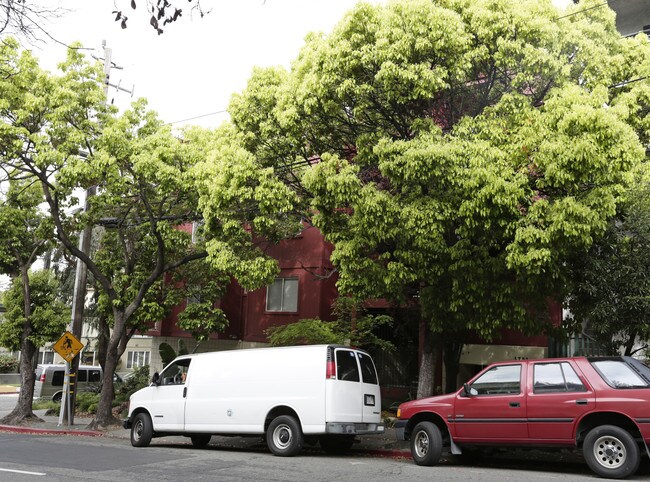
22, 472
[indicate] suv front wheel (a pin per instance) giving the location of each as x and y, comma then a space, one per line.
426, 444
611, 452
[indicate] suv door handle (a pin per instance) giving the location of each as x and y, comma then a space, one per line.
581, 401
514, 404
184, 392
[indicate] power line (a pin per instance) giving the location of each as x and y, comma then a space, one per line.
583, 10
197, 117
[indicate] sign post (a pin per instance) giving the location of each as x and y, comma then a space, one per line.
67, 347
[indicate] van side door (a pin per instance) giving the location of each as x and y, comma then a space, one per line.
168, 399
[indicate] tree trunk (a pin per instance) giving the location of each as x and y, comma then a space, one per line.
629, 344
451, 354
23, 409
427, 362
104, 416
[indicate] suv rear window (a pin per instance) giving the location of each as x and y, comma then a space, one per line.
618, 374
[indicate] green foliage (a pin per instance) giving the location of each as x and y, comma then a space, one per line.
352, 327
610, 299
458, 150
49, 315
138, 379
167, 352
8, 364
86, 402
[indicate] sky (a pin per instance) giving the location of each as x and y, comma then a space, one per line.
193, 68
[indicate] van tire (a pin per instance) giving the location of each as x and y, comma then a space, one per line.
336, 444
426, 444
141, 430
284, 436
200, 440
57, 397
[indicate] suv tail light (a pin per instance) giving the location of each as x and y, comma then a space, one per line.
42, 379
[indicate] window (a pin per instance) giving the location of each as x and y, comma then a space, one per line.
175, 373
46, 357
346, 366
57, 378
556, 377
500, 380
367, 369
137, 359
618, 374
282, 295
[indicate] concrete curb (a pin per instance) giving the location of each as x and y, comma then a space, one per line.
46, 431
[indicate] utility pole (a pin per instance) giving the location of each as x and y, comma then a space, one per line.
81, 276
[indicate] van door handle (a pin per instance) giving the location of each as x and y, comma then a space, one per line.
581, 401
514, 404
184, 392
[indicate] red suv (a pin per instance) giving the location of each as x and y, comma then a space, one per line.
599, 404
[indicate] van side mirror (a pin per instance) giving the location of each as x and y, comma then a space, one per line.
156, 379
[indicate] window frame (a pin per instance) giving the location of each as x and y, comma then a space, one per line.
283, 308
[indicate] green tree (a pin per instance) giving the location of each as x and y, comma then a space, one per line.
461, 150
29, 325
144, 195
610, 299
25, 233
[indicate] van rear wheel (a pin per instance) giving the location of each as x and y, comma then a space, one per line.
284, 436
141, 430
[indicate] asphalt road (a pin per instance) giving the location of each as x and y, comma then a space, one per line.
77, 458
70, 458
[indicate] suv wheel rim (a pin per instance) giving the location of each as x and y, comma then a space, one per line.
282, 436
421, 443
610, 452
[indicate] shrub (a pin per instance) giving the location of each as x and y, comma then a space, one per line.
86, 402
138, 379
8, 364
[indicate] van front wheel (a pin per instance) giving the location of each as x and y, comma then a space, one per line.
284, 436
141, 430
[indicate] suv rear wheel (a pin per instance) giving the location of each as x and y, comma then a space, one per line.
611, 452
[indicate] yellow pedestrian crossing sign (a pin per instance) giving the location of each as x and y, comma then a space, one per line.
68, 346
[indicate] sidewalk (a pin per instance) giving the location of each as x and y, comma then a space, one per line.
385, 445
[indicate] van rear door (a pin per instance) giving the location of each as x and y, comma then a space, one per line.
371, 403
344, 394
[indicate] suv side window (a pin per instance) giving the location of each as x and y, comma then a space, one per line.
82, 376
94, 376
346, 366
500, 380
556, 377
618, 374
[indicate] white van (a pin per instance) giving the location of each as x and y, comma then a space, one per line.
291, 395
